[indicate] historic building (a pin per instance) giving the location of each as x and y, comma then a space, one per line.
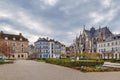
87, 40
110, 47
42, 47
68, 52
72, 49
55, 48
48, 48
63, 49
31, 50
14, 46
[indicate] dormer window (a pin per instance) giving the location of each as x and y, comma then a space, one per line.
21, 39
6, 38
14, 38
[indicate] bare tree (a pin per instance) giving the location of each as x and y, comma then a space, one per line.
5, 49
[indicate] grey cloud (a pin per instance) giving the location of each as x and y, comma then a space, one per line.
62, 21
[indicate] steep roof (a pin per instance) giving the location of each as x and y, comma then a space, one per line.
42, 40
103, 30
88, 33
114, 37
94, 33
11, 36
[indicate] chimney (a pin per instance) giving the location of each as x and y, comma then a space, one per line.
47, 38
20, 34
1, 32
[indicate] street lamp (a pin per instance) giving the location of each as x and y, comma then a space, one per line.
3, 57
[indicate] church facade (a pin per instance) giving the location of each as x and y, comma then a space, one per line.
87, 40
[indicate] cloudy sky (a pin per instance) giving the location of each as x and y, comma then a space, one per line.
59, 19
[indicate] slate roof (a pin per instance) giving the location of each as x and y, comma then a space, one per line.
42, 40
94, 33
11, 36
88, 33
114, 37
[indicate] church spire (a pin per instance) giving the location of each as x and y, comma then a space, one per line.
83, 27
80, 32
99, 28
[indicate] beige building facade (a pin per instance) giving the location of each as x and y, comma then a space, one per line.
15, 45
110, 47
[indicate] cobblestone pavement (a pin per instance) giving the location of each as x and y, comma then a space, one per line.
31, 70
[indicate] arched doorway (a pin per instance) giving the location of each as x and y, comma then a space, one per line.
18, 56
115, 56
13, 56
22, 56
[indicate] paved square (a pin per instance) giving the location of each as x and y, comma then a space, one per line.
31, 70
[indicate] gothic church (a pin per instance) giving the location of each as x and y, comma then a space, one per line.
87, 40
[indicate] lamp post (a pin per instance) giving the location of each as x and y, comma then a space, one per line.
3, 57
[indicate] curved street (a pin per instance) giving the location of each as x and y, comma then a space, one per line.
32, 70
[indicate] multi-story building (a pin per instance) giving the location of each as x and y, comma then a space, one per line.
42, 47
48, 48
110, 47
31, 50
87, 40
57, 49
52, 48
63, 49
14, 46
72, 49
68, 52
